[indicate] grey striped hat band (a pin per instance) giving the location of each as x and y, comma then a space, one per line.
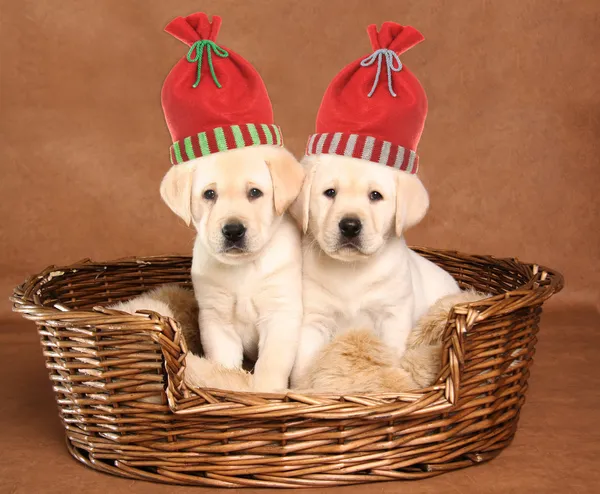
364, 147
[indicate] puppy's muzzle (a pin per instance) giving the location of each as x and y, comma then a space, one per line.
234, 233
350, 227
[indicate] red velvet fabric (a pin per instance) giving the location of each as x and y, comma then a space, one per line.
189, 110
347, 108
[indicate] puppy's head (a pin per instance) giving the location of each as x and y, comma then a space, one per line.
234, 198
352, 207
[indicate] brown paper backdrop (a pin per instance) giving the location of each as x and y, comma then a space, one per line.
509, 153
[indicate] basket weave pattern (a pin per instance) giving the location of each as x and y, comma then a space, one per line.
118, 381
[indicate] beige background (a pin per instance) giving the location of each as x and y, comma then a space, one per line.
510, 155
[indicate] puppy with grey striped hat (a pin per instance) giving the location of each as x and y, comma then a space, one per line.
360, 194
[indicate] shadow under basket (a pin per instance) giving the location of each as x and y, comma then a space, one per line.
118, 381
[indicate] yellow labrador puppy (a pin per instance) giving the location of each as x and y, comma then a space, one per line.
247, 258
358, 270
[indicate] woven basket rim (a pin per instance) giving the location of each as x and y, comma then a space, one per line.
22, 292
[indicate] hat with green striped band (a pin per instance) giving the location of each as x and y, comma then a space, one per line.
224, 138
213, 99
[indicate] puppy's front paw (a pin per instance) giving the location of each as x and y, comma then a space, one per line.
203, 373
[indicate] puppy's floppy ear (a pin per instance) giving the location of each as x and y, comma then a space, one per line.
300, 209
176, 190
412, 201
287, 176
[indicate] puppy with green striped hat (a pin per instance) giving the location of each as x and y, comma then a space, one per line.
233, 180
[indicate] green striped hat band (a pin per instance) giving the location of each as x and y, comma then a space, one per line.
223, 139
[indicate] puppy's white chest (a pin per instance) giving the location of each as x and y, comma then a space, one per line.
242, 288
351, 296
364, 307
244, 310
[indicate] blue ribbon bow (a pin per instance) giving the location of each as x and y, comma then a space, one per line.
390, 57
211, 47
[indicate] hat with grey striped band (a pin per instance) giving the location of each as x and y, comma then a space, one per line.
364, 147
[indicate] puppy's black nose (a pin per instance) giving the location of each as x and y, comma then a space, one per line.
350, 227
233, 231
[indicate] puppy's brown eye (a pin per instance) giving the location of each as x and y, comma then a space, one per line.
209, 195
375, 196
254, 193
330, 193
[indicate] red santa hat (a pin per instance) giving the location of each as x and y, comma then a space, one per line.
213, 99
375, 108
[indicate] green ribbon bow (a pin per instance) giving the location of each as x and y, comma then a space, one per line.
197, 52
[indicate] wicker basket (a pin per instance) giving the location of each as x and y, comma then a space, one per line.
126, 410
